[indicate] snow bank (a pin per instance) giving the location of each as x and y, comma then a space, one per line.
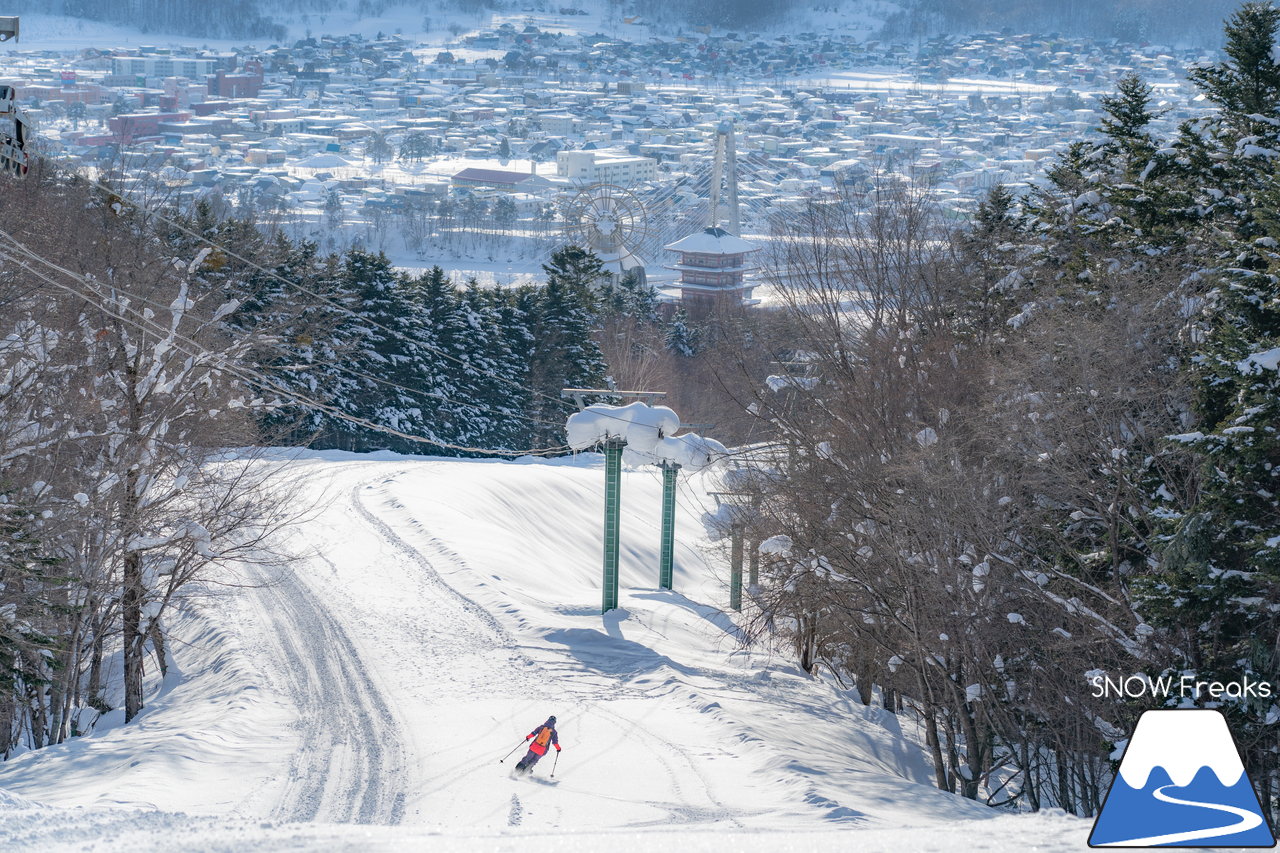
13, 801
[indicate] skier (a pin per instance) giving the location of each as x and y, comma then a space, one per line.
541, 736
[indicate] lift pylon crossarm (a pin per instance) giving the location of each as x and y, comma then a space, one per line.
579, 395
610, 392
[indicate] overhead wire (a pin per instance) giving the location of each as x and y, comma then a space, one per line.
243, 373
312, 293
336, 366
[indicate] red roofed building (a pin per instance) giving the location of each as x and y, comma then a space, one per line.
126, 128
499, 179
245, 84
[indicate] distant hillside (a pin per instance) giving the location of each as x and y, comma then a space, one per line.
1192, 22
281, 19
1167, 21
200, 18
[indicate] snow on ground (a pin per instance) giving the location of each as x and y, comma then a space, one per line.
439, 610
892, 80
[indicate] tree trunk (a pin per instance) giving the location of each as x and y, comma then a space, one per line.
94, 687
157, 642
131, 609
1066, 802
133, 593
863, 677
1029, 791
935, 749
39, 714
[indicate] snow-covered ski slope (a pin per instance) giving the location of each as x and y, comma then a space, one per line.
440, 609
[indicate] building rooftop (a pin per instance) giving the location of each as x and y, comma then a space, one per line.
492, 176
713, 241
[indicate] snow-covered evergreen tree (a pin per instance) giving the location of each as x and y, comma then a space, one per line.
680, 335
564, 354
388, 364
502, 338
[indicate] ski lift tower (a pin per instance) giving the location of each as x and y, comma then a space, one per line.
15, 127
612, 487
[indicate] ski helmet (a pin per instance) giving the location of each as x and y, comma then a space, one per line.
551, 721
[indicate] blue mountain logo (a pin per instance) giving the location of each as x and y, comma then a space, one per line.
1181, 784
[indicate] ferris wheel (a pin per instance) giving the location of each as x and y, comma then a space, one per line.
609, 220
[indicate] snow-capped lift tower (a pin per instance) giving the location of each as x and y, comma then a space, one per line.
15, 133
15, 127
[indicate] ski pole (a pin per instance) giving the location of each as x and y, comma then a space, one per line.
508, 755
554, 763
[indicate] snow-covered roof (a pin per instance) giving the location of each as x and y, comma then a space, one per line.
713, 241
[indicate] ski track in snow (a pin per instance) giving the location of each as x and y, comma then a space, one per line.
350, 765
406, 668
684, 809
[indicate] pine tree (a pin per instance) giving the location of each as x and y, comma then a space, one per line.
501, 350
680, 336
990, 286
1220, 570
1246, 85
1216, 588
386, 324
576, 268
1127, 116
1222, 156
564, 354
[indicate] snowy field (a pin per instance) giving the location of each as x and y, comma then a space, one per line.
436, 612
892, 80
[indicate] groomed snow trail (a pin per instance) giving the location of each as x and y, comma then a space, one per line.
486, 658
435, 612
350, 764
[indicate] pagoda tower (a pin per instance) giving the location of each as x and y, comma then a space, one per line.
713, 265
714, 262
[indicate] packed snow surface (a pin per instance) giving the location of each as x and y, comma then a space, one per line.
361, 697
